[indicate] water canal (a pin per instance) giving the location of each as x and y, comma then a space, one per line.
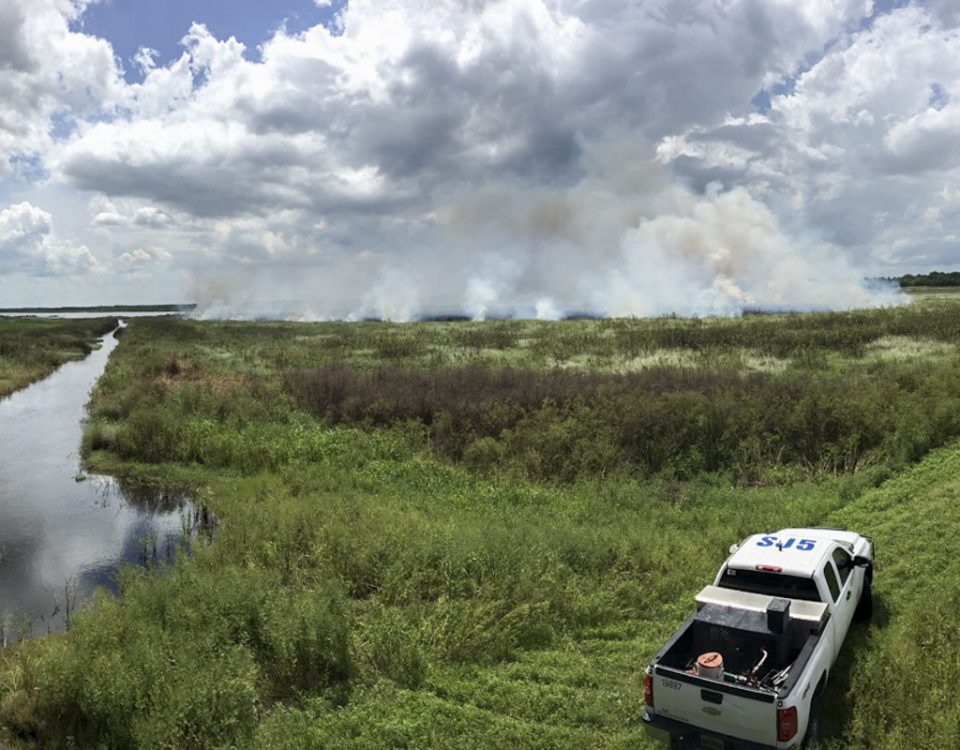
62, 534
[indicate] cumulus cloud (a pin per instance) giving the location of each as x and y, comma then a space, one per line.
401, 102
472, 158
863, 144
151, 216
142, 263
29, 245
127, 212
46, 69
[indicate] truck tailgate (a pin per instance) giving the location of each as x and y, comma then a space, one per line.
718, 707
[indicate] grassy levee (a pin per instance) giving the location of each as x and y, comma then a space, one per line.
32, 348
899, 675
372, 585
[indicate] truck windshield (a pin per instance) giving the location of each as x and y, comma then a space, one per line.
770, 584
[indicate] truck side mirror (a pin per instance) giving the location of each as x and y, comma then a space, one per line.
861, 562
734, 548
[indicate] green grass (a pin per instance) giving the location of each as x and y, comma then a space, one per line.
32, 348
369, 588
912, 649
933, 292
616, 345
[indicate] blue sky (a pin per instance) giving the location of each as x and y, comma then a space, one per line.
131, 24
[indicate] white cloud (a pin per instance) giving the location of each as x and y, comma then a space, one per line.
151, 216
141, 257
45, 70
407, 159
109, 219
29, 245
930, 140
403, 102
137, 257
863, 146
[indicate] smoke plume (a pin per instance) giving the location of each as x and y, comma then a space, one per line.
623, 240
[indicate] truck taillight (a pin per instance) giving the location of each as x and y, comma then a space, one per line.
786, 723
648, 689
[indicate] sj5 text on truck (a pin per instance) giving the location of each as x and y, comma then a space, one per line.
748, 669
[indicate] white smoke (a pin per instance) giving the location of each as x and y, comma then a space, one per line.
622, 241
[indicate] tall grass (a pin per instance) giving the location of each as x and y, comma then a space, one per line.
240, 404
563, 424
311, 594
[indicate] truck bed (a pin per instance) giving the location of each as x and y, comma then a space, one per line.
735, 624
675, 659
761, 665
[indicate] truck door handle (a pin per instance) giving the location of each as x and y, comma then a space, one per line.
848, 594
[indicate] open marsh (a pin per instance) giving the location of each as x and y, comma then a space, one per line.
475, 535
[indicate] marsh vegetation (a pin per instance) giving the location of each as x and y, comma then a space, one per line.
476, 534
32, 348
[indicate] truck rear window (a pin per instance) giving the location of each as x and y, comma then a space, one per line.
770, 584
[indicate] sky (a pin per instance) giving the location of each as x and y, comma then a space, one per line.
399, 158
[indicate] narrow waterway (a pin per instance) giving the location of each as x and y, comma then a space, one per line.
63, 534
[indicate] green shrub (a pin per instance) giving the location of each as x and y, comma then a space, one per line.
387, 645
561, 426
485, 632
305, 641
127, 683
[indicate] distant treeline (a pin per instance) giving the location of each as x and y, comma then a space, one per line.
102, 309
934, 278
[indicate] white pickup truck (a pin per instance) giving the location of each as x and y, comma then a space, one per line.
748, 669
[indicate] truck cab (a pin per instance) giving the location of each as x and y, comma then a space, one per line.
747, 670
800, 564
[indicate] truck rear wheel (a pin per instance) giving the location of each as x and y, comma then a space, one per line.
815, 724
864, 609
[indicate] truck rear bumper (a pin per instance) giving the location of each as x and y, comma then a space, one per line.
684, 736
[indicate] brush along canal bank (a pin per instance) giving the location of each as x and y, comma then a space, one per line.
476, 535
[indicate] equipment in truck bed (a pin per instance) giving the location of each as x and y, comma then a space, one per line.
809, 613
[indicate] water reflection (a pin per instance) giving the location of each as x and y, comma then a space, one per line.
63, 534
